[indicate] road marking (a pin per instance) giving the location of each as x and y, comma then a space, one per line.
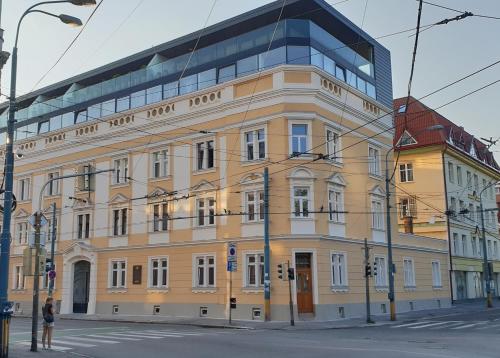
107, 337
488, 326
134, 335
435, 324
76, 344
92, 340
410, 324
469, 325
55, 348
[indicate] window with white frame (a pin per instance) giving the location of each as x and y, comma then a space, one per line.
495, 249
406, 172
480, 247
159, 162
120, 174
474, 246
120, 221
469, 180
476, 184
333, 145
436, 274
339, 270
336, 205
23, 189
254, 205
205, 271
453, 207
254, 266
451, 173
83, 226
409, 273
158, 272
205, 155
301, 202
299, 138
22, 231
255, 144
471, 211
456, 246
459, 176
381, 277
407, 207
53, 186
19, 279
377, 214
373, 160
118, 276
488, 245
205, 211
159, 221
86, 182
464, 245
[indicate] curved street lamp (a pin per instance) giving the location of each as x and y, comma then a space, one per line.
5, 306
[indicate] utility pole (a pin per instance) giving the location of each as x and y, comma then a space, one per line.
52, 250
290, 276
368, 273
36, 284
486, 269
267, 255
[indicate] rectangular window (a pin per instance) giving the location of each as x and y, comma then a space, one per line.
409, 273
451, 173
188, 84
255, 144
254, 270
381, 277
459, 176
335, 205
461, 208
24, 189
377, 215
374, 161
408, 207
158, 273
43, 127
138, 99
474, 246
159, 161
207, 78
247, 66
464, 245
406, 172
86, 182
19, 279
205, 208
272, 58
333, 145
495, 249
254, 205
120, 175
83, 226
456, 245
120, 222
81, 116
469, 180
299, 138
108, 107
227, 73
340, 73
436, 274
153, 94
160, 217
339, 270
453, 207
53, 186
476, 184
118, 274
301, 202
205, 271
22, 233
205, 155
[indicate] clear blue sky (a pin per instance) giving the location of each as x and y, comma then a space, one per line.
445, 52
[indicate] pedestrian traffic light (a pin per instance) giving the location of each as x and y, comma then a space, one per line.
280, 271
375, 268
368, 270
291, 273
48, 264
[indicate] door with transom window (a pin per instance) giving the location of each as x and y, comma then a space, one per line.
304, 283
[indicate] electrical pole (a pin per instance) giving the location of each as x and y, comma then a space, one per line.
367, 282
486, 270
52, 249
36, 284
290, 277
267, 255
392, 303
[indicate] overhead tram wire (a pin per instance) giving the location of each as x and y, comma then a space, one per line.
461, 11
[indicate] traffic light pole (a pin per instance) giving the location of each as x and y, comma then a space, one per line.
36, 284
267, 255
52, 248
292, 320
367, 282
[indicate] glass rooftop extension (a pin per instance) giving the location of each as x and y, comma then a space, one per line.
295, 41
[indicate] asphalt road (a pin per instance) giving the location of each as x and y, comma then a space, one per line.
450, 336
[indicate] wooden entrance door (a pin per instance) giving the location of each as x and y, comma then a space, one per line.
81, 285
303, 282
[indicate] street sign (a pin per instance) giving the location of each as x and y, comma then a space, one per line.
232, 258
43, 239
233, 303
43, 219
52, 274
29, 261
232, 266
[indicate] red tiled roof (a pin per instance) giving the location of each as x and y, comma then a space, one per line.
418, 117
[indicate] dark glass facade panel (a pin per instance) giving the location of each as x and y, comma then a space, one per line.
361, 85
153, 94
298, 55
340, 73
227, 73
207, 78
329, 66
68, 119
247, 66
123, 104
108, 108
317, 58
272, 58
138, 99
170, 90
43, 127
351, 79
297, 28
81, 116
370, 90
55, 123
188, 84
94, 111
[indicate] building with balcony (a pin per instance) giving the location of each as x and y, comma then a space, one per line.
188, 131
441, 176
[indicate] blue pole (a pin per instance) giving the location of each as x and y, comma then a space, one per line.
267, 256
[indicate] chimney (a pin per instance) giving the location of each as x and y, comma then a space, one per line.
408, 224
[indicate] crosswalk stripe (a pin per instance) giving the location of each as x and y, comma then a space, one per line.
76, 344
135, 335
106, 341
435, 324
469, 325
409, 324
173, 333
55, 348
107, 337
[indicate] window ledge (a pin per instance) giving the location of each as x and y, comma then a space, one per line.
255, 161
47, 196
410, 288
158, 290
293, 218
120, 185
340, 289
205, 227
335, 163
204, 290
18, 290
204, 171
114, 237
254, 290
382, 288
154, 180
335, 222
437, 288
117, 290
25, 201
379, 230
261, 222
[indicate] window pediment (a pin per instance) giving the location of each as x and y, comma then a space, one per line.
204, 186
377, 191
336, 179
253, 178
22, 214
406, 139
301, 173
118, 199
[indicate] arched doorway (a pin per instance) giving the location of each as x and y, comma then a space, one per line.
81, 286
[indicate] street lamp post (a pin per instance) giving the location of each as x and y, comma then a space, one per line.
5, 306
388, 178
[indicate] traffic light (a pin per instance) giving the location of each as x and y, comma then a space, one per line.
291, 273
368, 270
280, 271
375, 268
48, 264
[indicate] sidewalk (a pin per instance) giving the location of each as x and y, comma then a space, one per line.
16, 351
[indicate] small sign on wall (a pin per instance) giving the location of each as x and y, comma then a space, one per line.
137, 275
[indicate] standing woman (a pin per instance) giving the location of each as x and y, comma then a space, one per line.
48, 321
